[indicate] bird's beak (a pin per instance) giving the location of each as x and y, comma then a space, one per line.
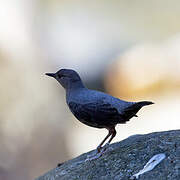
50, 74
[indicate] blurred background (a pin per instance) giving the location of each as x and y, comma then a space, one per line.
129, 49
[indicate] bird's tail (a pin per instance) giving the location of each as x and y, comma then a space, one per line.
134, 108
144, 103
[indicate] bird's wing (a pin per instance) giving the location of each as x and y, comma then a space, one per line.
133, 108
96, 110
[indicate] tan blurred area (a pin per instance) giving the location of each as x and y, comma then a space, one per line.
149, 72
146, 70
131, 49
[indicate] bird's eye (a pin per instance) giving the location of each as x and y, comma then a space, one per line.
61, 76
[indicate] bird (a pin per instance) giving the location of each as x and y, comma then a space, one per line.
95, 108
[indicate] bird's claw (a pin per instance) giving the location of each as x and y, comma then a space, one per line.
106, 146
99, 152
99, 149
96, 156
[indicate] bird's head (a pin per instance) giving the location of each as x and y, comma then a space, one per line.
66, 77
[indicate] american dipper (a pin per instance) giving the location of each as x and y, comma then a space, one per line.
95, 108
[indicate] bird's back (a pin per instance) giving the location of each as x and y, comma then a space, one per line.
84, 95
99, 109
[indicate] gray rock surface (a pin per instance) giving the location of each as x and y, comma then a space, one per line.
124, 159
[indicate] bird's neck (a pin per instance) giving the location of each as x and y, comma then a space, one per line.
75, 85
73, 89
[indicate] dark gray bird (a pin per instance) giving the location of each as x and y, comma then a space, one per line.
95, 108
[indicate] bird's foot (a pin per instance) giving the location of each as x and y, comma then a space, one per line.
98, 149
93, 157
94, 153
105, 146
98, 153
104, 149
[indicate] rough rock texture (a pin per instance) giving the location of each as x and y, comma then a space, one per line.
125, 159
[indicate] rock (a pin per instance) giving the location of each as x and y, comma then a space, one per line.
124, 159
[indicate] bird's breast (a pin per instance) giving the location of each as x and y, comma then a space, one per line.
79, 96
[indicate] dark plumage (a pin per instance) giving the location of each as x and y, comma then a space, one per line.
95, 108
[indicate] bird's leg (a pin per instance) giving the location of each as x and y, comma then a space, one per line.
113, 134
100, 145
100, 151
112, 131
